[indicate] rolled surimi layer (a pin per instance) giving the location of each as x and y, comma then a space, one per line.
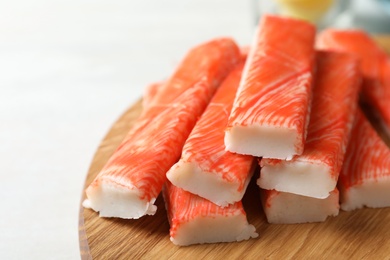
288, 208
205, 167
365, 177
131, 180
195, 220
335, 97
271, 110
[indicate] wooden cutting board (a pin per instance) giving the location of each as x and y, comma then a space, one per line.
361, 234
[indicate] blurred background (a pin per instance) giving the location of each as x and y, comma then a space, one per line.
70, 68
370, 15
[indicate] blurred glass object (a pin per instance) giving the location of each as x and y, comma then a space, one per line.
386, 5
370, 15
322, 13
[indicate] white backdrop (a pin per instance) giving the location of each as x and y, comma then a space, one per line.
68, 69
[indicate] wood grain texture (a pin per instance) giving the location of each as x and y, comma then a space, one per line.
361, 234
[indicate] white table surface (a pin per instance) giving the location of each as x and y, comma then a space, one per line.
68, 70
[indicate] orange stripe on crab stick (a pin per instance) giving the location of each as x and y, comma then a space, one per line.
365, 177
335, 97
300, 209
374, 66
270, 113
205, 167
131, 180
195, 220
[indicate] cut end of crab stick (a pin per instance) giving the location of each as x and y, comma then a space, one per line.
288, 208
303, 178
205, 167
274, 142
270, 113
111, 200
195, 220
314, 173
372, 194
209, 185
215, 229
365, 177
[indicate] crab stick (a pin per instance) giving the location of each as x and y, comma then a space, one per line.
150, 93
335, 98
271, 110
131, 180
288, 208
210, 62
374, 66
205, 167
386, 82
194, 220
365, 177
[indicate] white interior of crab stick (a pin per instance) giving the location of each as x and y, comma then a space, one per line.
214, 229
111, 200
302, 178
372, 193
262, 141
190, 177
288, 208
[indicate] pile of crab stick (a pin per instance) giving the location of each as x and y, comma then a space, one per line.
309, 180
365, 176
133, 177
286, 108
